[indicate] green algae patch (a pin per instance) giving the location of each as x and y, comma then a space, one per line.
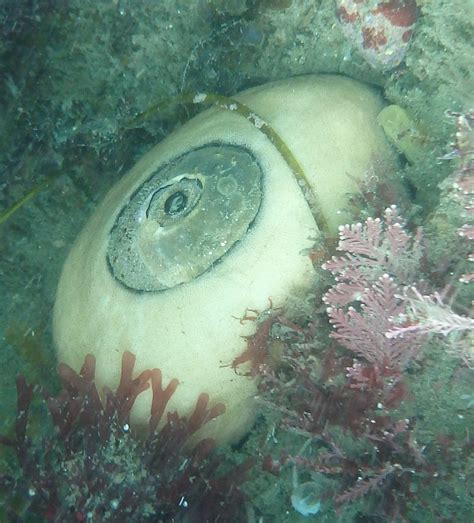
403, 132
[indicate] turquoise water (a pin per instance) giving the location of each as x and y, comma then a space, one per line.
75, 76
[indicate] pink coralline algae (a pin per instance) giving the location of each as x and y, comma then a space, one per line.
380, 258
380, 31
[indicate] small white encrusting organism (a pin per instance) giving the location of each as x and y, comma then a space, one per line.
305, 498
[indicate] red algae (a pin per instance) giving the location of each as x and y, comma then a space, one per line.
379, 30
95, 466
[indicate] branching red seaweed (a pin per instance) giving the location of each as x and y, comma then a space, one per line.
96, 467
